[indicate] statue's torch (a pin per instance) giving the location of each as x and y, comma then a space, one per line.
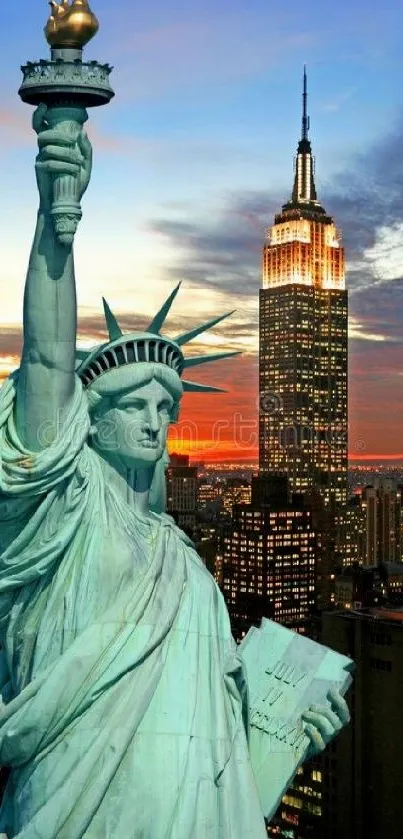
67, 86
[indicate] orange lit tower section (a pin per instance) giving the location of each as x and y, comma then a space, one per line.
303, 341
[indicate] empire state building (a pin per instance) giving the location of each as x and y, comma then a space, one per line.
303, 341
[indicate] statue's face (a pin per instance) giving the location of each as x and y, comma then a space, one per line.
133, 428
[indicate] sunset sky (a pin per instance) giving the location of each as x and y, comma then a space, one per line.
191, 160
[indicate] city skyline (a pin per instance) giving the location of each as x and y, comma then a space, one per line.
199, 162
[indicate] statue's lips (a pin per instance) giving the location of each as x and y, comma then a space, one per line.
149, 444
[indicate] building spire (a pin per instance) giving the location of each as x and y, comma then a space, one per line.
305, 117
304, 191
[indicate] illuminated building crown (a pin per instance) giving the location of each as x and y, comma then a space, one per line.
304, 203
147, 346
70, 25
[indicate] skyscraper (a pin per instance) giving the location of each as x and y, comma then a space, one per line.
382, 511
303, 341
268, 562
182, 492
362, 769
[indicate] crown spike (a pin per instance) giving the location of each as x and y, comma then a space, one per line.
204, 359
97, 361
196, 387
161, 316
111, 323
187, 336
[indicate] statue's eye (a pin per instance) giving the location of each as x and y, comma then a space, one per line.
165, 406
134, 404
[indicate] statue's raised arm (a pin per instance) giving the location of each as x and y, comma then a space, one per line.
46, 379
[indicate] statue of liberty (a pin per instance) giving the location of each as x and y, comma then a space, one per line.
124, 699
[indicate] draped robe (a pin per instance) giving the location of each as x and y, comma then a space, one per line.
124, 702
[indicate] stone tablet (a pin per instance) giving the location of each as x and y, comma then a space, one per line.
287, 673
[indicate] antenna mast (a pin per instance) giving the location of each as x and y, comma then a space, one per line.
305, 117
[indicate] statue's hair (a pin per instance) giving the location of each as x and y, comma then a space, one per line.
110, 385
140, 374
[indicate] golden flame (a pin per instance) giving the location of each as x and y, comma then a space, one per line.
70, 25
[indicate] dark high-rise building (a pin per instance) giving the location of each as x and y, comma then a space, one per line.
382, 510
353, 788
300, 813
182, 492
236, 491
351, 532
268, 560
303, 341
363, 771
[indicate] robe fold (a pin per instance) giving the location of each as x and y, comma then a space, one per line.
124, 708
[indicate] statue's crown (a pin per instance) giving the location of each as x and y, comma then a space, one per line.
70, 25
147, 346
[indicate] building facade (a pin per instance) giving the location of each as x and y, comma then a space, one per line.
208, 494
351, 526
268, 559
353, 788
382, 510
181, 481
303, 341
236, 491
363, 771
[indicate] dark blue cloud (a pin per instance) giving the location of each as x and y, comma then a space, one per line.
224, 253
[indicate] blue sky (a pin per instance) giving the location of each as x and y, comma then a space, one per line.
195, 154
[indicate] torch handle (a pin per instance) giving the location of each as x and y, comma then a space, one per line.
66, 209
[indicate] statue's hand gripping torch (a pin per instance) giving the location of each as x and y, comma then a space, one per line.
67, 189
63, 158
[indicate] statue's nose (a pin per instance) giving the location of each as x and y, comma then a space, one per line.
153, 419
